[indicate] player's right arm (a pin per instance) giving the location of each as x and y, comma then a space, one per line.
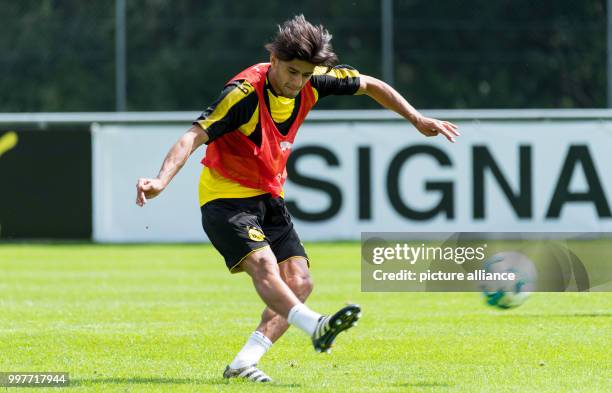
233, 108
174, 161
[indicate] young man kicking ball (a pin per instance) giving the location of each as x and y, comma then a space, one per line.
250, 131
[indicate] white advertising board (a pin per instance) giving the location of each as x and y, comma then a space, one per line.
374, 176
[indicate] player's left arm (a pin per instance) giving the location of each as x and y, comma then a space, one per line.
389, 98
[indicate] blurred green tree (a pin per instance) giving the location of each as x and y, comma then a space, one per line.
59, 55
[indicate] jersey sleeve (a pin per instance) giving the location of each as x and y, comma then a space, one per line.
234, 107
340, 80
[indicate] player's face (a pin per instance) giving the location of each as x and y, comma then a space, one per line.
289, 77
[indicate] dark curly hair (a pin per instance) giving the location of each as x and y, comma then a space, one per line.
299, 39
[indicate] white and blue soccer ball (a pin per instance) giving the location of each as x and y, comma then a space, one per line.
507, 294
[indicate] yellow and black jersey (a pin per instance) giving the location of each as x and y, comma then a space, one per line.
237, 109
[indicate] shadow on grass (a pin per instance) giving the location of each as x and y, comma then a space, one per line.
168, 381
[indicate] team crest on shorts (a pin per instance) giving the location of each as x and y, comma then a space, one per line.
255, 234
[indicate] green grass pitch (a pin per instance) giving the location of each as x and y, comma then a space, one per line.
145, 318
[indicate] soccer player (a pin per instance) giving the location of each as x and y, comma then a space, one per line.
249, 131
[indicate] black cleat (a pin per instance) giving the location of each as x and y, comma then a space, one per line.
329, 327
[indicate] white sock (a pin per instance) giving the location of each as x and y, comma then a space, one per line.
256, 346
304, 318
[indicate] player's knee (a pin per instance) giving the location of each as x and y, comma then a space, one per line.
307, 286
301, 285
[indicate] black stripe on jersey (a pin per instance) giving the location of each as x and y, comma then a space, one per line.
239, 114
331, 85
283, 127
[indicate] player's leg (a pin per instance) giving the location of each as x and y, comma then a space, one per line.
263, 268
276, 294
294, 271
322, 329
286, 244
233, 227
293, 268
280, 299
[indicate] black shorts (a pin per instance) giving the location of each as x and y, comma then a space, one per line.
238, 226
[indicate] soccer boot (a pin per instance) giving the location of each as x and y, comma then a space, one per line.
251, 373
330, 326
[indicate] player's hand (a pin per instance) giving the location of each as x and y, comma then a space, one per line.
432, 127
147, 189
